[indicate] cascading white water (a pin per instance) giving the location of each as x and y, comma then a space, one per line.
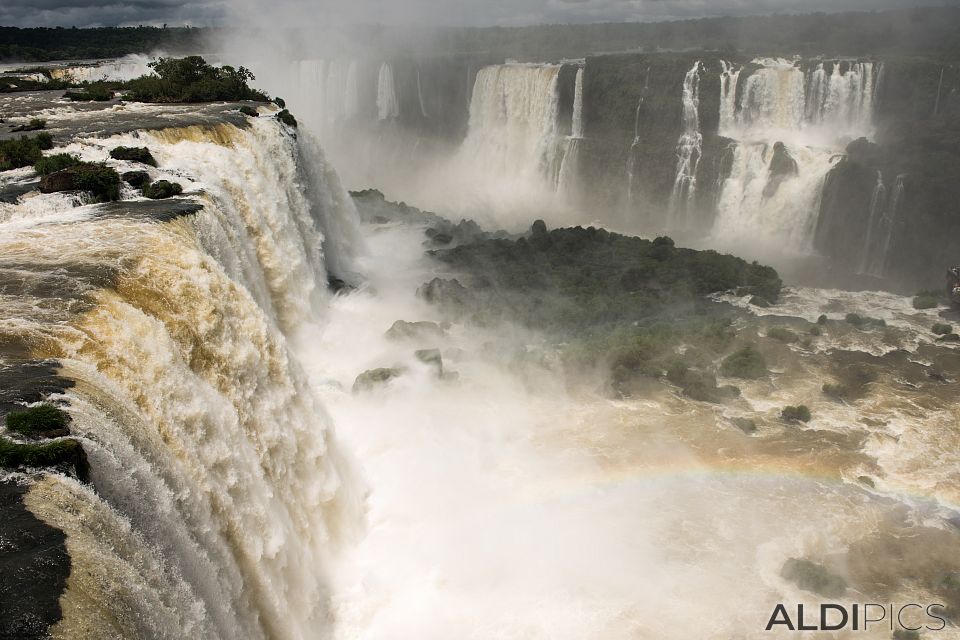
126, 68
388, 105
689, 150
729, 77
423, 105
781, 101
513, 130
877, 201
631, 155
330, 92
883, 215
576, 125
219, 490
569, 166
814, 113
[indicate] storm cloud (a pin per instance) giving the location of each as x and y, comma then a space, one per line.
83, 13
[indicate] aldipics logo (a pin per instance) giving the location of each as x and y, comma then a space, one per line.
859, 617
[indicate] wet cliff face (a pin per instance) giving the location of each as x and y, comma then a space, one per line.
916, 163
633, 119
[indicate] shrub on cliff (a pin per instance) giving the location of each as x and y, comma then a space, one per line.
133, 154
162, 189
23, 151
747, 363
800, 413
58, 453
97, 178
35, 124
192, 79
287, 118
567, 279
50, 164
93, 92
42, 420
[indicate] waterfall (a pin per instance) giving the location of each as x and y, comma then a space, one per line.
883, 215
756, 205
569, 166
689, 149
423, 106
779, 99
729, 77
631, 154
123, 69
218, 494
576, 125
388, 106
328, 92
513, 128
877, 201
789, 125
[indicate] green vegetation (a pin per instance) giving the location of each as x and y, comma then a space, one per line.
852, 383
50, 164
133, 154
745, 424
287, 118
192, 79
699, 385
781, 334
927, 300
570, 279
800, 413
162, 189
247, 110
618, 304
66, 452
863, 322
747, 363
93, 92
43, 44
813, 577
35, 124
24, 151
942, 329
38, 420
100, 180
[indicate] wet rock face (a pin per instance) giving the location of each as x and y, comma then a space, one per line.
782, 167
34, 568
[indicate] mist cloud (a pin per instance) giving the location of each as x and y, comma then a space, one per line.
83, 13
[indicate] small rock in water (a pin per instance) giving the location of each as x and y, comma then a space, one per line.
136, 178
757, 301
403, 330
745, 424
431, 357
374, 378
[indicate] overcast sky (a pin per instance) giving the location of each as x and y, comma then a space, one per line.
460, 12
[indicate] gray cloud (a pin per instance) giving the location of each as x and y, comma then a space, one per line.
449, 12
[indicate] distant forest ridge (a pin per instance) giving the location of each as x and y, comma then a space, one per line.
918, 31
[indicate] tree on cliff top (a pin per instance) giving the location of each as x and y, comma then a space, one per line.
193, 79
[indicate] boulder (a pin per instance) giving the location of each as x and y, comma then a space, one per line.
133, 154
136, 178
444, 292
403, 330
432, 358
374, 378
782, 167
